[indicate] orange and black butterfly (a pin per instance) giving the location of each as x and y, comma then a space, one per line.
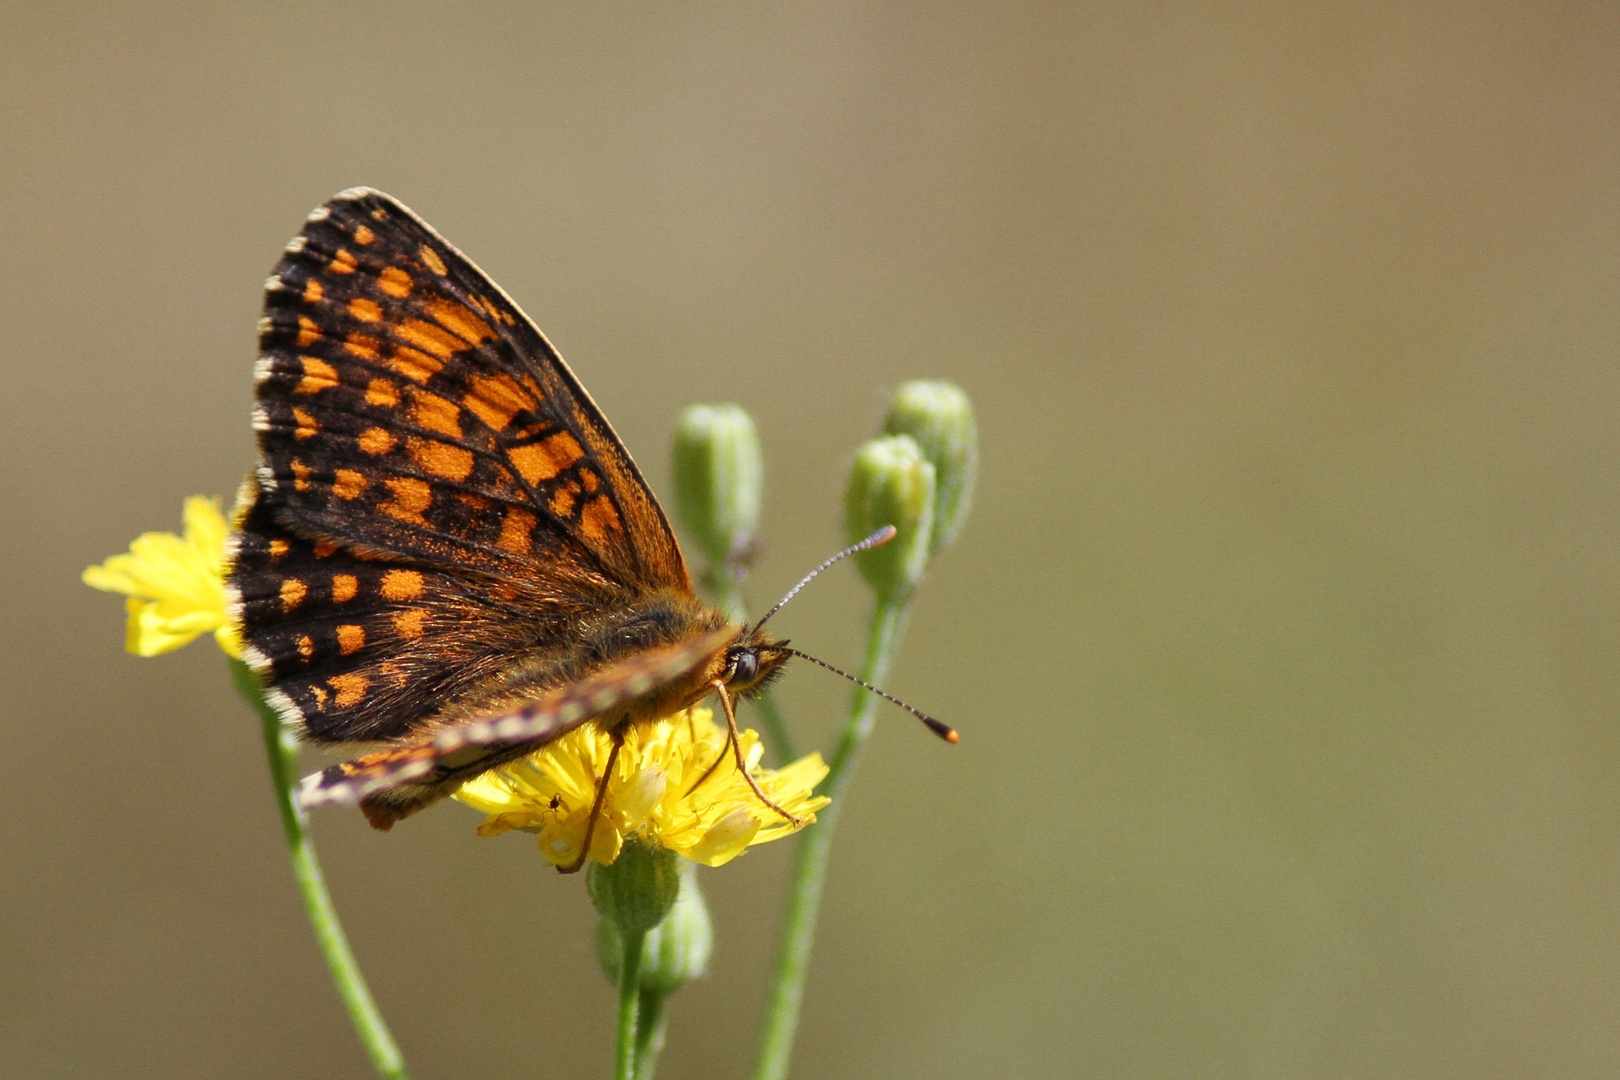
445, 548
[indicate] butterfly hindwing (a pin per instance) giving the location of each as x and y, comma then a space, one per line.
392, 783
368, 649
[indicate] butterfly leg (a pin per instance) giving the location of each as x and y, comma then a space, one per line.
742, 766
715, 764
596, 805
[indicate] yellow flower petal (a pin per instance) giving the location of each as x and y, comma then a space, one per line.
175, 584
726, 839
675, 783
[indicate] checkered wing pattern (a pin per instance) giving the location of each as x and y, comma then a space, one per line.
438, 504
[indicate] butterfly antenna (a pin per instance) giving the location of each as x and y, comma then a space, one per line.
882, 536
943, 730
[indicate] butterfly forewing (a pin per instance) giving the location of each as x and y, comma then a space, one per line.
406, 404
438, 510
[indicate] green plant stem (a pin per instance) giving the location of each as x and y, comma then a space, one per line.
282, 752
814, 845
728, 598
624, 1059
649, 1032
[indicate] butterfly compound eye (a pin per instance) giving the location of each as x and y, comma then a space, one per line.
744, 667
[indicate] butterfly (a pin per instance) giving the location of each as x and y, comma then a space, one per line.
445, 549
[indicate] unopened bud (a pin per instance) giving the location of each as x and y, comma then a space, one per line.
891, 483
675, 951
719, 477
939, 416
639, 888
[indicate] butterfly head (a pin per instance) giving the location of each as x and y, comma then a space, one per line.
753, 662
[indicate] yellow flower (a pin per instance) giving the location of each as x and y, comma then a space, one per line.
661, 788
175, 585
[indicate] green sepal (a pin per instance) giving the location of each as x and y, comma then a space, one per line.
675, 951
636, 892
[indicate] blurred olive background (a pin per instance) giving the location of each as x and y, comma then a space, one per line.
1283, 637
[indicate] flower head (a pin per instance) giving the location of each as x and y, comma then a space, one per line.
669, 786
175, 584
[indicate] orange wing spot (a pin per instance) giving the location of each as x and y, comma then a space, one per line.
431, 258
301, 474
402, 585
411, 497
325, 549
313, 291
495, 399
468, 498
348, 484
442, 459
318, 376
541, 461
382, 393
308, 332
344, 588
319, 694
343, 262
516, 528
437, 414
278, 548
350, 638
562, 503
379, 214
365, 310
431, 338
363, 235
408, 624
599, 518
350, 689
363, 346
460, 320
306, 647
293, 592
374, 441
590, 479
394, 281
306, 424
414, 363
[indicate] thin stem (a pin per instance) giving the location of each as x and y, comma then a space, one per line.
282, 751
649, 1032
810, 860
624, 1063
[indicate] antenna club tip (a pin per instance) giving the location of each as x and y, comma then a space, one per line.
882, 536
953, 737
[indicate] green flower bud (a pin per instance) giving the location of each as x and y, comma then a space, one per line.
939, 416
719, 478
639, 888
891, 483
676, 950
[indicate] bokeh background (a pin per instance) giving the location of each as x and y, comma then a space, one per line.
1283, 637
